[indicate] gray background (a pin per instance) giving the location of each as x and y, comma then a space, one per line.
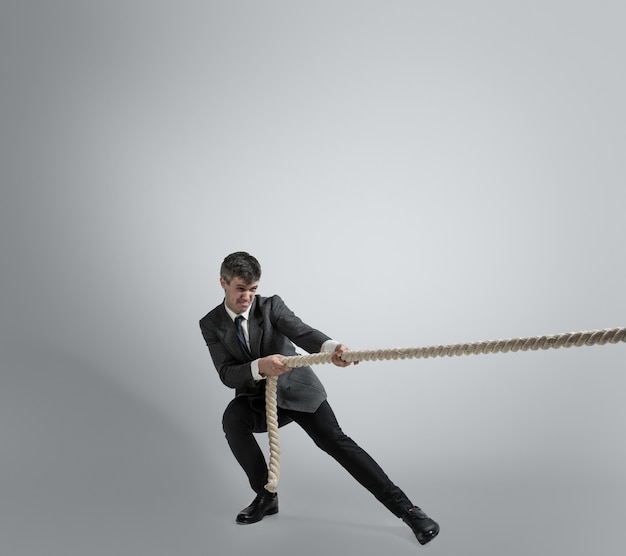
408, 173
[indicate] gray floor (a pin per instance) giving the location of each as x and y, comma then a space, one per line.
88, 468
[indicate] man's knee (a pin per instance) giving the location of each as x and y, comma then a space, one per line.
330, 439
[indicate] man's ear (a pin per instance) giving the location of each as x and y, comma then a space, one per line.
223, 282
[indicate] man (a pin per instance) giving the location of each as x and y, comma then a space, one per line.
248, 336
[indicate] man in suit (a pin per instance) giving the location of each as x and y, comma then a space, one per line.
248, 335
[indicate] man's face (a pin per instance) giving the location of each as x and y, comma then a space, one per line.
239, 294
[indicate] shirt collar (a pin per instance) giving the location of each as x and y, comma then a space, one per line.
234, 315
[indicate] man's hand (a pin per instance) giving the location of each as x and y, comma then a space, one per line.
272, 365
337, 360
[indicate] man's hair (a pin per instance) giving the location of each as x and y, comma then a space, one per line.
241, 265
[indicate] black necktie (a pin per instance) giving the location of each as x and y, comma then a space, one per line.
241, 337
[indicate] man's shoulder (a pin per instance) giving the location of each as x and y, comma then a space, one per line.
269, 300
214, 313
269, 303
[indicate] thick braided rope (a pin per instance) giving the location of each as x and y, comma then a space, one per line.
534, 343
271, 411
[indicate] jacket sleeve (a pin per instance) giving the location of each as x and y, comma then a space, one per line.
300, 333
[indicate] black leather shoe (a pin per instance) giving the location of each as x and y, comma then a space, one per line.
264, 504
425, 529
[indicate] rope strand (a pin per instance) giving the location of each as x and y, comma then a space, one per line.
271, 411
533, 343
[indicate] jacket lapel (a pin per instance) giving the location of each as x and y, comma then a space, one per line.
227, 326
255, 330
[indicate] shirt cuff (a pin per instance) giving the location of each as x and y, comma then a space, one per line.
254, 368
329, 345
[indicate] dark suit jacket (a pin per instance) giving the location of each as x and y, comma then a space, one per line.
272, 328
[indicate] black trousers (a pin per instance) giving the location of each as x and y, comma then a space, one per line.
245, 416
